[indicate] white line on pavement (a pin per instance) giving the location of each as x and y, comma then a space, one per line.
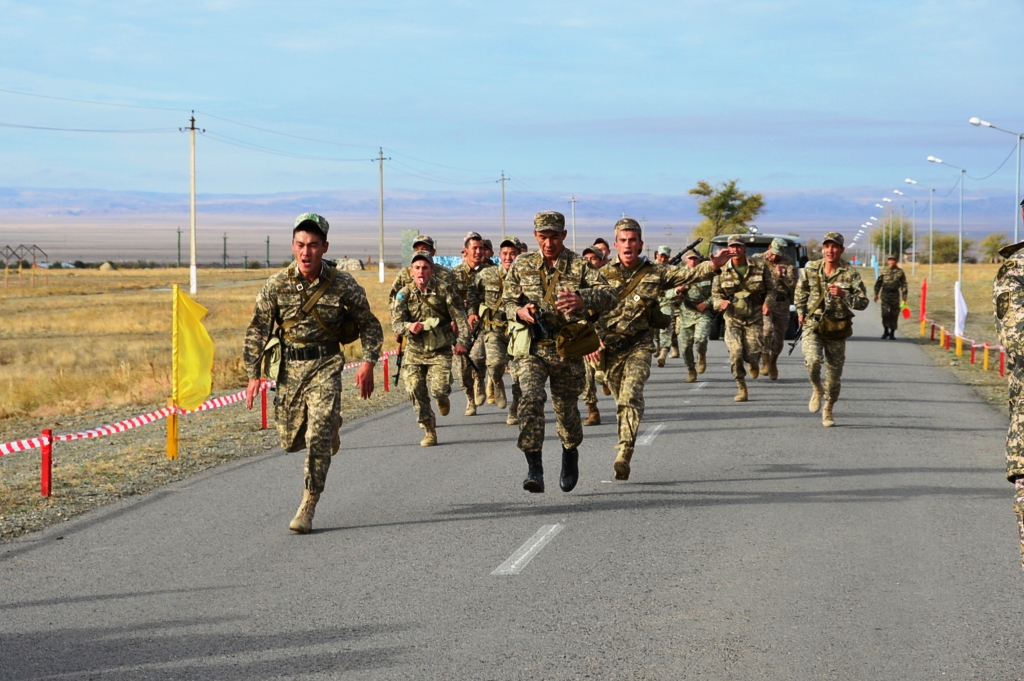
518, 560
699, 386
649, 434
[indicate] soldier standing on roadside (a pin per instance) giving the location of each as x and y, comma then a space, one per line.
307, 407
547, 290
776, 306
826, 295
740, 291
891, 285
627, 332
423, 312
695, 317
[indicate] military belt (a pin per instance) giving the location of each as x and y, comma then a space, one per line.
626, 343
309, 352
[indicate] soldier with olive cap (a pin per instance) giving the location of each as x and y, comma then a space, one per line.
441, 273
473, 261
776, 305
307, 406
891, 286
669, 305
695, 318
828, 292
544, 292
424, 312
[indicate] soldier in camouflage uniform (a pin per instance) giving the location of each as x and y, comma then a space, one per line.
463, 275
545, 291
695, 317
307, 406
485, 295
740, 291
423, 312
891, 286
828, 287
595, 256
1008, 300
776, 309
441, 273
627, 332
669, 306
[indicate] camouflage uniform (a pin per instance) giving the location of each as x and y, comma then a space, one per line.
776, 322
669, 306
307, 406
428, 372
486, 293
1008, 300
743, 336
463, 276
891, 291
442, 275
629, 341
694, 325
809, 289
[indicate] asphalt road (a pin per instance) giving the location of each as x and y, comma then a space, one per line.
750, 543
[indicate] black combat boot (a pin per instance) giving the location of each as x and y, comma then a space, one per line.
885, 332
534, 481
570, 469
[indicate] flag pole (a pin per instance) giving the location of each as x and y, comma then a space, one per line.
172, 419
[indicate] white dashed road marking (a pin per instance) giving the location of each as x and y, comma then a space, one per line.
518, 560
699, 386
649, 434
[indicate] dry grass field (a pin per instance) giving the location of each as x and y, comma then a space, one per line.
86, 339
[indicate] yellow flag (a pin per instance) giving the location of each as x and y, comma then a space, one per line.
192, 353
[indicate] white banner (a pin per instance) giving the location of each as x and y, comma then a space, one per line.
961, 311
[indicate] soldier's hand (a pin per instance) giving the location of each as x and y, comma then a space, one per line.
765, 309
679, 290
837, 291
473, 320
701, 307
876, 299
250, 392
724, 304
460, 350
569, 301
415, 328
525, 313
364, 380
800, 319
718, 261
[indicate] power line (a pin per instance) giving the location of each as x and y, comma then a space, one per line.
468, 170
224, 139
1012, 149
89, 101
124, 132
285, 134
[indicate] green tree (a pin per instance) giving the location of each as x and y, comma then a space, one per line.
887, 238
725, 208
990, 246
947, 248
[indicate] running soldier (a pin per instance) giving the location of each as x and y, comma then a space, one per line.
473, 261
595, 256
544, 292
308, 302
695, 317
776, 306
441, 273
669, 306
423, 312
486, 293
740, 291
627, 332
828, 292
891, 286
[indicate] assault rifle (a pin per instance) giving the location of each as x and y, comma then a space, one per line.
398, 358
678, 257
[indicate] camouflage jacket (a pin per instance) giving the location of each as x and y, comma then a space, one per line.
438, 301
632, 315
891, 282
813, 283
462, 280
487, 290
441, 274
525, 283
1008, 301
281, 299
694, 294
786, 275
756, 286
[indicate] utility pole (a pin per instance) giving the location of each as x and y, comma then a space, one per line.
225, 250
573, 202
245, 261
502, 181
179, 246
380, 259
268, 251
192, 226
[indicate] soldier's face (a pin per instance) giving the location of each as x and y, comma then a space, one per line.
550, 243
507, 255
594, 259
891, 262
739, 253
421, 246
629, 246
831, 251
309, 250
421, 272
604, 251
474, 252
661, 258
692, 262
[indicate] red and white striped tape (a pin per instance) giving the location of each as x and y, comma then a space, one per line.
142, 420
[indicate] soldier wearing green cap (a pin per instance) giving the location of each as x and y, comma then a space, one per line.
306, 305
828, 292
695, 317
669, 305
891, 287
473, 261
422, 242
776, 305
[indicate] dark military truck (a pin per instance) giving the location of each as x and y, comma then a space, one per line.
757, 244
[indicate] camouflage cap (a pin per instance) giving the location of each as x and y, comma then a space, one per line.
664, 250
549, 221
423, 239
736, 240
892, 257
422, 255
693, 254
472, 236
1007, 251
778, 246
316, 220
488, 245
590, 249
834, 237
510, 241
628, 225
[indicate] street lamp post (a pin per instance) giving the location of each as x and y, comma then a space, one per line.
960, 257
1016, 211
897, 191
931, 233
888, 248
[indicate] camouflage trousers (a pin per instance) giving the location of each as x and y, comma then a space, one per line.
427, 375
1015, 443
694, 330
743, 339
478, 354
667, 337
566, 376
627, 374
496, 351
775, 324
307, 410
830, 352
890, 309
590, 382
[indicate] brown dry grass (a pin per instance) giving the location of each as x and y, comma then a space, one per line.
86, 339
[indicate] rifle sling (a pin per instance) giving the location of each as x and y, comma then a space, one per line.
309, 307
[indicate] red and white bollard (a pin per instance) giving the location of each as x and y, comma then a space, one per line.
387, 375
933, 331
263, 405
1002, 361
46, 474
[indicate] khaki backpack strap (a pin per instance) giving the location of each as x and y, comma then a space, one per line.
308, 307
635, 281
549, 287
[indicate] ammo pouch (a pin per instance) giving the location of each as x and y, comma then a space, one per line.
435, 335
270, 361
518, 339
657, 319
576, 340
348, 331
743, 307
834, 329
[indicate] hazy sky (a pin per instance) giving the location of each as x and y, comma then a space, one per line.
598, 97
